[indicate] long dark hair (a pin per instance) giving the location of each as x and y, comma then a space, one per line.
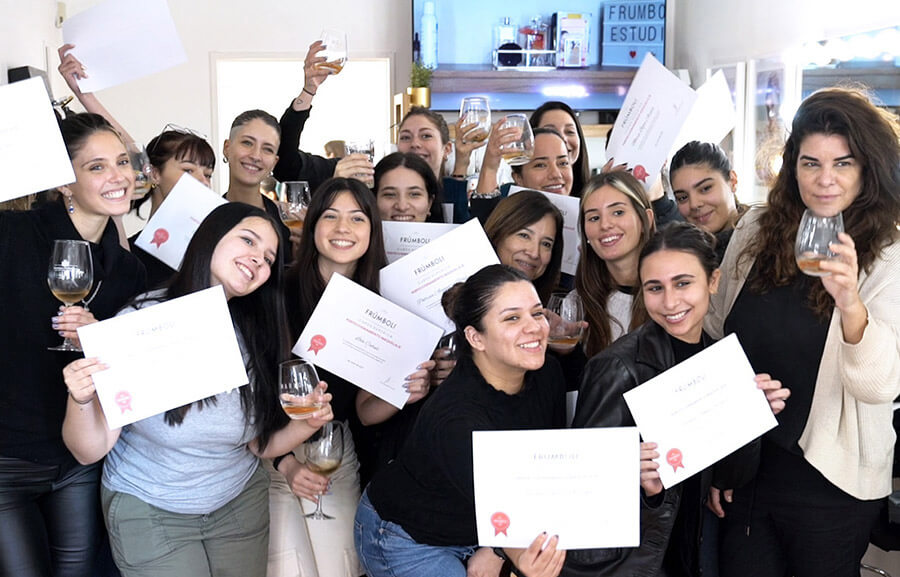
518, 211
259, 316
581, 169
420, 167
593, 281
304, 284
710, 155
77, 128
684, 237
467, 303
872, 136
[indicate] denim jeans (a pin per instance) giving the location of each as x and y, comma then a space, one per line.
386, 550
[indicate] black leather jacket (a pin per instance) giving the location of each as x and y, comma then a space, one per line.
630, 361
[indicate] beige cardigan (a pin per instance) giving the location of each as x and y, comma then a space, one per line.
849, 436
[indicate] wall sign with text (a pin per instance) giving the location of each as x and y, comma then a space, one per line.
631, 29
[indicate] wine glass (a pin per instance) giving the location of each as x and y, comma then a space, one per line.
366, 147
448, 342
70, 277
140, 162
324, 451
813, 237
294, 200
521, 150
566, 325
298, 395
476, 110
335, 51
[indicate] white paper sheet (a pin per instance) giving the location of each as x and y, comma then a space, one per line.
701, 410
402, 238
569, 207
580, 484
33, 155
367, 340
164, 356
712, 115
654, 110
168, 232
121, 40
417, 281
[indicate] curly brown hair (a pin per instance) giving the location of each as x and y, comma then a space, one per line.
873, 136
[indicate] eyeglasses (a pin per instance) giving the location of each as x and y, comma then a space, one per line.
174, 128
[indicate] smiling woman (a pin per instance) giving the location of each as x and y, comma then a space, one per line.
407, 189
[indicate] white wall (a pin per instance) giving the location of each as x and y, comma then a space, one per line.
26, 29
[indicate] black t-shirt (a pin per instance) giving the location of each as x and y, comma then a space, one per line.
428, 490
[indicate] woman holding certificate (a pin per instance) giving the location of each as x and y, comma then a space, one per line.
342, 235
678, 275
825, 470
49, 509
184, 492
417, 517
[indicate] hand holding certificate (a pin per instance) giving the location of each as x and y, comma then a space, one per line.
164, 356
701, 410
367, 340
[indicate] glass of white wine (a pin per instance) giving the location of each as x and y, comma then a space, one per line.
521, 150
140, 162
813, 237
335, 52
294, 200
70, 276
298, 394
566, 317
475, 112
324, 452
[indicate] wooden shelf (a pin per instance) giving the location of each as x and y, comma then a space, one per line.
483, 78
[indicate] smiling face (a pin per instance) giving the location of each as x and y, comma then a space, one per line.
828, 176
705, 198
104, 179
243, 259
251, 152
676, 292
514, 335
612, 225
565, 124
529, 249
549, 169
421, 137
173, 169
402, 196
342, 236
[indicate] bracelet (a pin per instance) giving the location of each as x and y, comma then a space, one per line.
487, 195
77, 402
308, 92
277, 460
460, 176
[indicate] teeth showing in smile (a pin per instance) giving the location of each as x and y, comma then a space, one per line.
251, 167
610, 239
676, 317
114, 194
246, 271
531, 345
402, 217
342, 243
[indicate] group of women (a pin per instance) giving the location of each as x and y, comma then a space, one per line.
219, 487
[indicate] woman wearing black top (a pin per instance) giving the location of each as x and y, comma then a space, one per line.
417, 517
49, 505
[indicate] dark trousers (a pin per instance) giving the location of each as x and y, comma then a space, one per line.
794, 522
48, 523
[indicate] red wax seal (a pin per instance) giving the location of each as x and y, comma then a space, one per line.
673, 457
316, 344
160, 236
123, 399
640, 173
500, 521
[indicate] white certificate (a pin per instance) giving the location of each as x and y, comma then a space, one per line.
121, 40
580, 484
33, 156
168, 232
402, 238
701, 410
367, 340
712, 115
417, 281
569, 207
655, 108
164, 356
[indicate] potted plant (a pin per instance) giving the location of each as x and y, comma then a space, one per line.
419, 90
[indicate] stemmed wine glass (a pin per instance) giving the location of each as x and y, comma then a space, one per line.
566, 330
294, 200
324, 451
475, 110
140, 162
813, 237
298, 395
70, 277
335, 51
521, 150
